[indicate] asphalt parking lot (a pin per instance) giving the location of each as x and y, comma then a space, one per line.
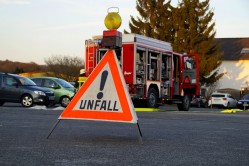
170, 137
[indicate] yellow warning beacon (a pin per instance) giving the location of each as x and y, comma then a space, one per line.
113, 19
112, 38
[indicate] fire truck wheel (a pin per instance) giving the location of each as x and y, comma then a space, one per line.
152, 100
184, 106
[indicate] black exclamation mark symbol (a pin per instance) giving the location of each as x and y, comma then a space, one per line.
102, 83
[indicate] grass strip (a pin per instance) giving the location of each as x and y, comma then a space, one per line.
147, 109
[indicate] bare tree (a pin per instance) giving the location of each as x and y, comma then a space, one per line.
65, 67
211, 89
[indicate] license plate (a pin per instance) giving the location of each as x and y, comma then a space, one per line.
245, 104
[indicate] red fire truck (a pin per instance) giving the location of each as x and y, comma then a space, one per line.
153, 72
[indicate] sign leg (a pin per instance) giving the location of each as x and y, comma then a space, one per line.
140, 134
53, 128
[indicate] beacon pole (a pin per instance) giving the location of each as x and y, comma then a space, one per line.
112, 39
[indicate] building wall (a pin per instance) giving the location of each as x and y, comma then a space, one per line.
236, 74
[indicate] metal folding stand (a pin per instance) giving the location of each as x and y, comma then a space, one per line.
139, 134
53, 128
139, 131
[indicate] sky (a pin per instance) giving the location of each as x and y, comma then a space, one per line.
34, 30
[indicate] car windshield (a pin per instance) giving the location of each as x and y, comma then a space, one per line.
246, 97
64, 83
26, 82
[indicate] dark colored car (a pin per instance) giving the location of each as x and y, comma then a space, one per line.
18, 89
199, 101
243, 103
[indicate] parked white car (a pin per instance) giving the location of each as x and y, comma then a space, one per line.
222, 100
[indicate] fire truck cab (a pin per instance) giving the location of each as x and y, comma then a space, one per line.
152, 71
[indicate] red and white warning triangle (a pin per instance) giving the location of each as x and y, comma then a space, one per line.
103, 96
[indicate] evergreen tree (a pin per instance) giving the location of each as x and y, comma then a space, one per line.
154, 20
188, 27
165, 24
194, 34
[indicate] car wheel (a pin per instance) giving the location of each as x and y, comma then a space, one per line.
228, 105
1, 103
27, 101
65, 101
